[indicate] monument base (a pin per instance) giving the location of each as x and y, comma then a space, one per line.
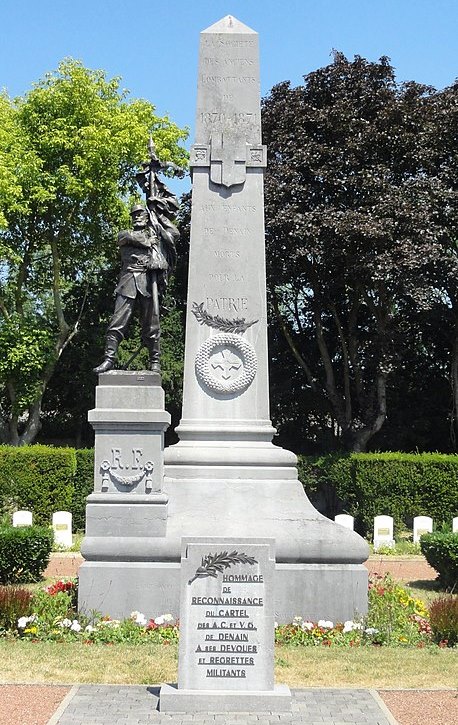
128, 508
336, 592
174, 700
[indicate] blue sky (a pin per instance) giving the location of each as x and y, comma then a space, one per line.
153, 45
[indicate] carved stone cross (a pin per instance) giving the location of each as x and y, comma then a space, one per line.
228, 155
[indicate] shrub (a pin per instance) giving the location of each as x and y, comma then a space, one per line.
83, 486
441, 552
394, 616
15, 602
38, 478
50, 607
24, 553
402, 485
443, 614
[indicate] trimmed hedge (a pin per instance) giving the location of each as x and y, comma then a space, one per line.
83, 486
441, 552
401, 485
24, 553
38, 478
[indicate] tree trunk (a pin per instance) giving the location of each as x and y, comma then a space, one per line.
454, 384
356, 439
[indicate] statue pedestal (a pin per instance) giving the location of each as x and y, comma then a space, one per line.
128, 507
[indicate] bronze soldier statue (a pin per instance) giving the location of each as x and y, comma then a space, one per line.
148, 255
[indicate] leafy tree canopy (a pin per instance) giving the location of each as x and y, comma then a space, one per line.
68, 151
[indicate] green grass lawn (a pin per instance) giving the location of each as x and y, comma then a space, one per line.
70, 663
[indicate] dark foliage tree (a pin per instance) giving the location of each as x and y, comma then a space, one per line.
357, 224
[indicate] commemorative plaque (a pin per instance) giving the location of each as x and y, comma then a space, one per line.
226, 655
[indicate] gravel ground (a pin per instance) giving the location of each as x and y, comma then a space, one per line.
422, 707
29, 704
411, 568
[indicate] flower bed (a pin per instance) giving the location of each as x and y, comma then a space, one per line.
395, 618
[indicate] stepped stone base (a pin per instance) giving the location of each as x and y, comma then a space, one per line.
313, 591
174, 700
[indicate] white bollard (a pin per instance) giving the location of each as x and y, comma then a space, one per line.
22, 518
421, 525
62, 527
455, 525
383, 531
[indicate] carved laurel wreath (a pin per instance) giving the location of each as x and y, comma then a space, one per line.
238, 325
236, 345
213, 564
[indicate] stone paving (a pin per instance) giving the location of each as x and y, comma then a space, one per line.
137, 705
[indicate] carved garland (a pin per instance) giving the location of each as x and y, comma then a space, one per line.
126, 480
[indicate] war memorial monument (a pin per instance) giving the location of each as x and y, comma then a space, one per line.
224, 478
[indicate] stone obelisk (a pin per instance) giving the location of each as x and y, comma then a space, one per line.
225, 425
225, 477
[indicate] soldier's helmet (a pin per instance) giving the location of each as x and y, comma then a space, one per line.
137, 208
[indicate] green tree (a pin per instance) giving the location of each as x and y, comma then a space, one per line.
68, 149
353, 230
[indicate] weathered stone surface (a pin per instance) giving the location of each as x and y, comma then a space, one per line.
227, 615
128, 508
226, 370
225, 475
129, 420
173, 700
226, 654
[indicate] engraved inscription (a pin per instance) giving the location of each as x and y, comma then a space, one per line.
225, 277
117, 461
137, 454
231, 80
216, 118
229, 208
230, 630
227, 304
225, 62
226, 253
237, 231
221, 41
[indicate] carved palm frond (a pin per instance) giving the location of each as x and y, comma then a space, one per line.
237, 325
212, 564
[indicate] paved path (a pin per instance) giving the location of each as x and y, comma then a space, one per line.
137, 705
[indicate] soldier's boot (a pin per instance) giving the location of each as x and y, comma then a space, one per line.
109, 360
154, 363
